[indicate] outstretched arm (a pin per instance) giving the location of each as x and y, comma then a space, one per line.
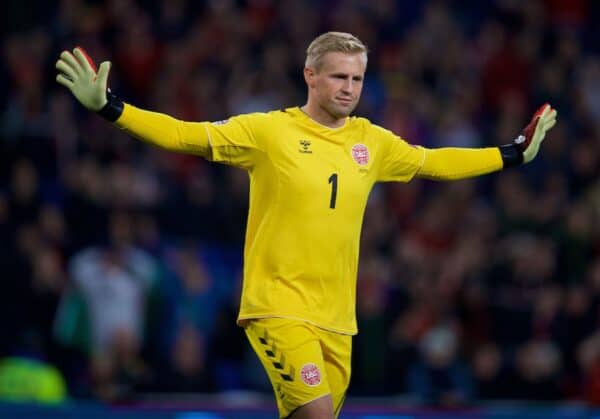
452, 163
78, 73
459, 163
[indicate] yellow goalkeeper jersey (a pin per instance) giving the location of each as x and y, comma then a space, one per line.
309, 186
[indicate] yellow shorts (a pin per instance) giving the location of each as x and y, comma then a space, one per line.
302, 361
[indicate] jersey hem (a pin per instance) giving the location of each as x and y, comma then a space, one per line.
241, 319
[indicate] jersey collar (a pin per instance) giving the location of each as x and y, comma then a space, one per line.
327, 132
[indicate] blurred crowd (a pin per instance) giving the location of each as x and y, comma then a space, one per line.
120, 263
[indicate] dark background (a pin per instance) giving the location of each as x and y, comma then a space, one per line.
120, 263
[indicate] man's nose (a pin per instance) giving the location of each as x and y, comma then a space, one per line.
347, 86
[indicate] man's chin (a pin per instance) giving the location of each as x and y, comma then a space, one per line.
342, 111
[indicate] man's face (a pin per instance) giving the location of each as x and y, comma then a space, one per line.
337, 85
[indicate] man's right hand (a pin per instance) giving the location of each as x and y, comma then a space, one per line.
77, 72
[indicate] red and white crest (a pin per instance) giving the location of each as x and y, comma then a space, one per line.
360, 154
310, 374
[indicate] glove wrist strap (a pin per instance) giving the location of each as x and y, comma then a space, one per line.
511, 155
113, 108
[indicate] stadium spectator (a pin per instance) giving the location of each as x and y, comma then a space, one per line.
114, 282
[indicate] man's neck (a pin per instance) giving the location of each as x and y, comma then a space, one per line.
319, 115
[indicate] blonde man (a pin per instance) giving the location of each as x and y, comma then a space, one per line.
311, 169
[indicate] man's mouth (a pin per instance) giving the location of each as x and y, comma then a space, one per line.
344, 100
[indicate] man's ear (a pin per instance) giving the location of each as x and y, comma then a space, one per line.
309, 77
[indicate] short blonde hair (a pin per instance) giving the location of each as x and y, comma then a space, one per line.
332, 42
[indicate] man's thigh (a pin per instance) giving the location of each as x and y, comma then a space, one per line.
291, 353
337, 351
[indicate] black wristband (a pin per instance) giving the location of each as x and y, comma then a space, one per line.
113, 108
511, 155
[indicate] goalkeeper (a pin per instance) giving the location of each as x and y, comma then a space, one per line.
311, 169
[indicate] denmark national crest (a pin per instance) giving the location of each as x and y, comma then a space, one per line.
310, 374
360, 154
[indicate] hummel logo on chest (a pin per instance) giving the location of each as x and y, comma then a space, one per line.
305, 147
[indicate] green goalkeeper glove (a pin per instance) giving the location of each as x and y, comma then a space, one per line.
78, 73
526, 146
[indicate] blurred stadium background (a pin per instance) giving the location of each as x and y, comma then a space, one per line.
120, 263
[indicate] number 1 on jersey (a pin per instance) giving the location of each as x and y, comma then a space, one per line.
333, 181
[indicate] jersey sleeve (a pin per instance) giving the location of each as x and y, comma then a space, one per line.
236, 141
451, 163
164, 131
233, 141
399, 161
